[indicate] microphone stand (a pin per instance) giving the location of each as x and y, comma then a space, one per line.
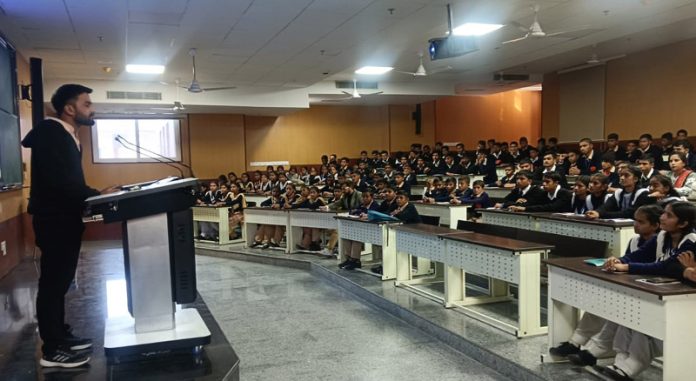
118, 139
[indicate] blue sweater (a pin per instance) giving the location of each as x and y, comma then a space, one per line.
654, 256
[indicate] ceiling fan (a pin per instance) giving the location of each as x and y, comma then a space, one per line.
353, 95
421, 72
536, 31
594, 60
195, 87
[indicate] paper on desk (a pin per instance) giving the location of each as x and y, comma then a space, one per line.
565, 214
598, 262
620, 219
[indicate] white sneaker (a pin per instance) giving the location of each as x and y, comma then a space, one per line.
326, 252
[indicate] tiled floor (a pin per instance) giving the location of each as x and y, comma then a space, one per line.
86, 311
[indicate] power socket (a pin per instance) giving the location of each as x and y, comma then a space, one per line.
3, 248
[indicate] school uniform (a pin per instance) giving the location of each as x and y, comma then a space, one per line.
524, 152
348, 202
420, 169
505, 158
613, 177
210, 229
210, 197
516, 157
644, 181
556, 202
487, 168
362, 209
266, 187
387, 207
437, 194
508, 180
536, 162
540, 172
437, 167
235, 203
453, 168
618, 152
361, 186
533, 194
478, 202
590, 164
389, 177
311, 205
623, 205
404, 187
407, 214
466, 193
589, 203
410, 179
468, 169
656, 153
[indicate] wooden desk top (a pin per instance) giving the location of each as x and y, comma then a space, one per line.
356, 219
266, 208
425, 229
497, 242
505, 211
442, 205
210, 206
305, 210
577, 265
582, 219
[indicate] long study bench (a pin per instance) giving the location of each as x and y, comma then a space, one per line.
662, 311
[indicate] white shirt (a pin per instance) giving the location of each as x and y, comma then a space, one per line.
555, 193
69, 128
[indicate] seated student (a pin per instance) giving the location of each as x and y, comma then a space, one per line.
379, 187
581, 190
200, 194
421, 167
388, 204
257, 181
558, 200
485, 165
360, 184
507, 181
645, 145
479, 198
549, 166
572, 165
266, 185
683, 146
610, 171
232, 177
350, 198
514, 151
314, 177
634, 350
301, 198
435, 190
467, 165
632, 152
236, 201
533, 156
662, 190
311, 237
593, 337
682, 177
344, 166
352, 249
682, 134
444, 194
524, 193
614, 147
437, 166
400, 183
405, 211
599, 192
410, 177
247, 185
209, 230
389, 174
271, 235
282, 182
590, 161
625, 201
323, 173
452, 168
463, 190
646, 163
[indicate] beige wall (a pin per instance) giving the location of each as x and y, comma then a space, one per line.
217, 144
504, 116
581, 110
402, 127
650, 91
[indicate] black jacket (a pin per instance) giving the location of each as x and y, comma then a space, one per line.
612, 207
409, 215
561, 203
57, 181
534, 196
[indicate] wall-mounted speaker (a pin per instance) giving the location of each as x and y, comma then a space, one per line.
416, 116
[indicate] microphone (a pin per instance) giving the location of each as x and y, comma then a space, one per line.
119, 138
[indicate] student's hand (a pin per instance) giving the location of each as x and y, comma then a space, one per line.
574, 171
687, 259
517, 208
363, 217
619, 268
521, 201
656, 195
690, 274
498, 205
592, 214
455, 201
610, 262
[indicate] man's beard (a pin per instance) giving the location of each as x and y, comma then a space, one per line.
84, 120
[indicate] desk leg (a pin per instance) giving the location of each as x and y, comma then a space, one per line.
678, 344
529, 305
456, 214
455, 287
422, 266
622, 237
403, 267
341, 257
249, 233
388, 253
293, 237
223, 226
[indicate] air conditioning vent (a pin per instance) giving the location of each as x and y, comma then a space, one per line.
510, 77
359, 85
134, 95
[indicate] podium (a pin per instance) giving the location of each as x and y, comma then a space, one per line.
160, 267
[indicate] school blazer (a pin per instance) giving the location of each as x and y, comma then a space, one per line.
534, 196
409, 215
561, 203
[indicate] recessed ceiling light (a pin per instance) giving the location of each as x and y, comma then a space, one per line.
475, 29
145, 69
374, 70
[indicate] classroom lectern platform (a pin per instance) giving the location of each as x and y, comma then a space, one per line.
160, 267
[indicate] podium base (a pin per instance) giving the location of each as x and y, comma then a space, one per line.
120, 338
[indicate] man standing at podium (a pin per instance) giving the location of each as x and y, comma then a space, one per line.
56, 202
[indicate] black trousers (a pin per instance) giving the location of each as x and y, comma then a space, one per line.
59, 238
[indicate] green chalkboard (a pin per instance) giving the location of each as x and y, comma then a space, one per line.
10, 151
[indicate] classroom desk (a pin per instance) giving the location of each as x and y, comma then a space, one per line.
504, 259
265, 216
571, 179
497, 192
372, 232
305, 218
256, 198
664, 312
449, 214
520, 220
616, 233
216, 214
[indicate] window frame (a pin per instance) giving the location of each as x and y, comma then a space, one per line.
141, 159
